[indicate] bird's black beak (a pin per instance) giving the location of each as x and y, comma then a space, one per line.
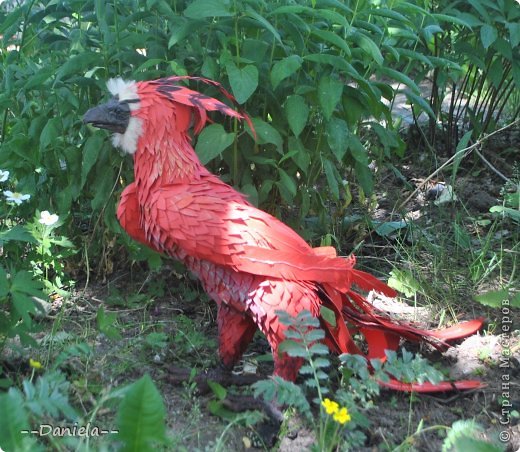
113, 116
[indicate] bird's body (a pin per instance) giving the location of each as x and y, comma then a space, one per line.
251, 264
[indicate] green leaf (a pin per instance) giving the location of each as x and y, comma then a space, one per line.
459, 155
141, 418
243, 81
297, 113
212, 141
474, 444
335, 61
451, 19
25, 283
514, 33
357, 150
287, 182
217, 389
50, 132
488, 35
251, 192
369, 46
400, 77
18, 233
514, 214
338, 137
385, 12
11, 19
319, 349
200, 9
404, 282
332, 38
331, 178
329, 94
293, 348
149, 63
493, 298
78, 63
91, 151
264, 22
285, 68
266, 133
328, 315
389, 227
37, 80
12, 425
106, 322
300, 155
365, 177
515, 301
4, 284
417, 99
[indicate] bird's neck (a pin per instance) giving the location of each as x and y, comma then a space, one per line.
166, 159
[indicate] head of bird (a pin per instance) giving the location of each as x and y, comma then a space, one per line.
156, 111
119, 115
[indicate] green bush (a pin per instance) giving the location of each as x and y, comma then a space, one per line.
316, 77
482, 37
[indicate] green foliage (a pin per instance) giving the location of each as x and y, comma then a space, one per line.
188, 337
303, 341
411, 368
106, 323
141, 418
318, 79
482, 39
39, 403
404, 282
464, 435
285, 393
17, 305
311, 75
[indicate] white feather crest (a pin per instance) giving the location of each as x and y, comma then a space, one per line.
124, 90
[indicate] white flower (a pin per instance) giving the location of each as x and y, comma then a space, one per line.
4, 175
15, 197
48, 219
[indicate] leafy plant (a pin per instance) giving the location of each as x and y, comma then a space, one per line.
141, 416
310, 139
303, 340
482, 39
464, 435
40, 403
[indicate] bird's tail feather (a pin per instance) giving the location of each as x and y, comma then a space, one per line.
355, 314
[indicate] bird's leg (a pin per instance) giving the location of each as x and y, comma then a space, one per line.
235, 333
235, 330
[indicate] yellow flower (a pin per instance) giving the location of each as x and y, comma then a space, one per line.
35, 364
331, 407
342, 416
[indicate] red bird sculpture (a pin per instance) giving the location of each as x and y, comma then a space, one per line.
249, 262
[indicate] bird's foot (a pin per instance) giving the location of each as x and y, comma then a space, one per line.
218, 375
265, 432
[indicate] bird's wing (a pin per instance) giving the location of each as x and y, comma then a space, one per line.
210, 222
